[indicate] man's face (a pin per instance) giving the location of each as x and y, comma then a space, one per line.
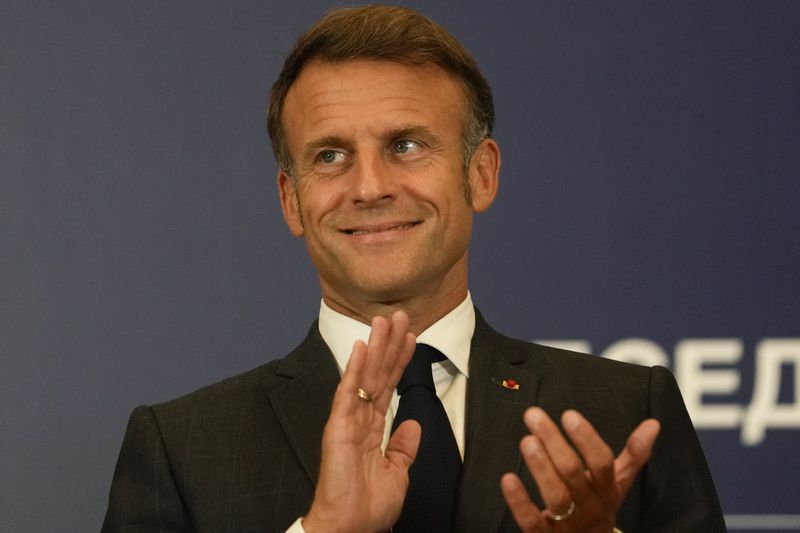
378, 186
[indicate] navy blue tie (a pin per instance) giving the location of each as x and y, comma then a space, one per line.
431, 500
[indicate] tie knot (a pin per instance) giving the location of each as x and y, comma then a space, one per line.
418, 371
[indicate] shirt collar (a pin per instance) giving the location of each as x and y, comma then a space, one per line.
451, 334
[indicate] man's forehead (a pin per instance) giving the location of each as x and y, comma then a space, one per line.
323, 76
328, 93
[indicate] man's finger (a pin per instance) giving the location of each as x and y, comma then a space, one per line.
636, 453
404, 443
376, 352
400, 363
554, 491
345, 398
598, 457
397, 329
568, 464
524, 511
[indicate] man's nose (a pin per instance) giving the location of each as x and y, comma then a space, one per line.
373, 182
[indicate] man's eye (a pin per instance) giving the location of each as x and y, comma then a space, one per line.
330, 156
405, 146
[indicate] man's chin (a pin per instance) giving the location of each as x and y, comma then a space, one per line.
384, 291
386, 294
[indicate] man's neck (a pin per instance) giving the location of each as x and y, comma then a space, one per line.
422, 311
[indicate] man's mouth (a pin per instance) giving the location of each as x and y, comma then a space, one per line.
379, 228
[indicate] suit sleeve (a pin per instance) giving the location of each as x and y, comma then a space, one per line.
678, 493
144, 496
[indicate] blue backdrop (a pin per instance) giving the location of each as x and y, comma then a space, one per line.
648, 211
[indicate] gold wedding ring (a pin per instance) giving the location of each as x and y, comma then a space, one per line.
563, 516
367, 397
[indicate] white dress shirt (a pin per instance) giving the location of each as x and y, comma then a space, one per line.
451, 335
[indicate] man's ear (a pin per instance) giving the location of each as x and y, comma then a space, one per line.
484, 174
290, 204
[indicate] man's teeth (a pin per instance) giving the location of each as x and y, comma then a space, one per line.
365, 231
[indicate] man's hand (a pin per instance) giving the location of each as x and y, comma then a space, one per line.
360, 488
593, 481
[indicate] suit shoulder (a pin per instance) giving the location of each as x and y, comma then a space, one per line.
255, 384
568, 357
252, 384
547, 358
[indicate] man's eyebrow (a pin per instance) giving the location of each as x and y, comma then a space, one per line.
411, 130
312, 147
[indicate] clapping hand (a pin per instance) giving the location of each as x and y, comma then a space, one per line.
360, 487
582, 490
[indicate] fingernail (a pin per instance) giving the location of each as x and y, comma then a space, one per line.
533, 416
571, 420
530, 447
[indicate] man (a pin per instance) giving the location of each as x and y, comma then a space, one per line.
381, 124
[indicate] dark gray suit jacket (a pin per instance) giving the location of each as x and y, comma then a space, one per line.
243, 455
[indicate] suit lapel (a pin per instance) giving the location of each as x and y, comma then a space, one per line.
303, 404
494, 427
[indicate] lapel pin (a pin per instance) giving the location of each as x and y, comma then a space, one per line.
510, 384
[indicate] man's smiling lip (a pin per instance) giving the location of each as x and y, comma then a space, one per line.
371, 229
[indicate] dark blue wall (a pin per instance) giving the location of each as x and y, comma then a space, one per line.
650, 189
